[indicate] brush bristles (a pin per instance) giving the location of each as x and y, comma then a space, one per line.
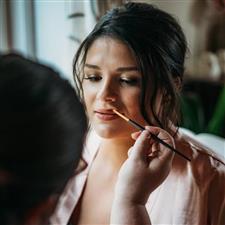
121, 115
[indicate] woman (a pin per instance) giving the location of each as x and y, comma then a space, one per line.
133, 61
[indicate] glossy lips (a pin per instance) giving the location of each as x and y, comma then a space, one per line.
105, 115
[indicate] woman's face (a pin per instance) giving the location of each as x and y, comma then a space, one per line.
111, 81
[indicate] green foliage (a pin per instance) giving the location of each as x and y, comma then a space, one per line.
217, 123
192, 115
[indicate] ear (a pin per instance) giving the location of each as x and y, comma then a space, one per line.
41, 213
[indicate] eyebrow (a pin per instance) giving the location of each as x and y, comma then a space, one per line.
120, 69
91, 66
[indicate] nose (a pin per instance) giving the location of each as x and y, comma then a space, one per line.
107, 92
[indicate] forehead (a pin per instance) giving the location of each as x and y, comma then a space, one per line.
114, 51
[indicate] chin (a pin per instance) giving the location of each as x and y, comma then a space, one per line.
109, 131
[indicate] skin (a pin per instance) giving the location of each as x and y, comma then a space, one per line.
113, 81
146, 168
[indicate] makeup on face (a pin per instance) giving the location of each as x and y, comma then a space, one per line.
105, 114
126, 75
111, 80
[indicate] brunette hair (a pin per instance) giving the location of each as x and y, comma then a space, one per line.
159, 45
42, 128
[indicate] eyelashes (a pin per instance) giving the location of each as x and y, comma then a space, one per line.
123, 81
130, 81
92, 78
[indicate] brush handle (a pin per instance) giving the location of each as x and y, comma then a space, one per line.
168, 146
158, 139
139, 127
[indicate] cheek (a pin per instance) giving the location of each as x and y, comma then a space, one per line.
132, 104
89, 96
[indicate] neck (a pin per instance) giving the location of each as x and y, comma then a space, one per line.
115, 150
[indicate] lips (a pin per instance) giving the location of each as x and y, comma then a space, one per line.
105, 114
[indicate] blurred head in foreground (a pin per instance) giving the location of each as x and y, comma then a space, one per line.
42, 129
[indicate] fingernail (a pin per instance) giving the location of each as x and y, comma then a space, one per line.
147, 133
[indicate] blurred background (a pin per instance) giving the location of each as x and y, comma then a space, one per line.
50, 31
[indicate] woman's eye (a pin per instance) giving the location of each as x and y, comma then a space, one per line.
92, 78
129, 81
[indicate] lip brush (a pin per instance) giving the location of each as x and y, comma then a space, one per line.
139, 127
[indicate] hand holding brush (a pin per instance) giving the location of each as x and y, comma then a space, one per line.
155, 137
147, 166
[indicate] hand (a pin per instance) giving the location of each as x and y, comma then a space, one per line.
147, 166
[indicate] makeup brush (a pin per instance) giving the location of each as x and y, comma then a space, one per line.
139, 127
